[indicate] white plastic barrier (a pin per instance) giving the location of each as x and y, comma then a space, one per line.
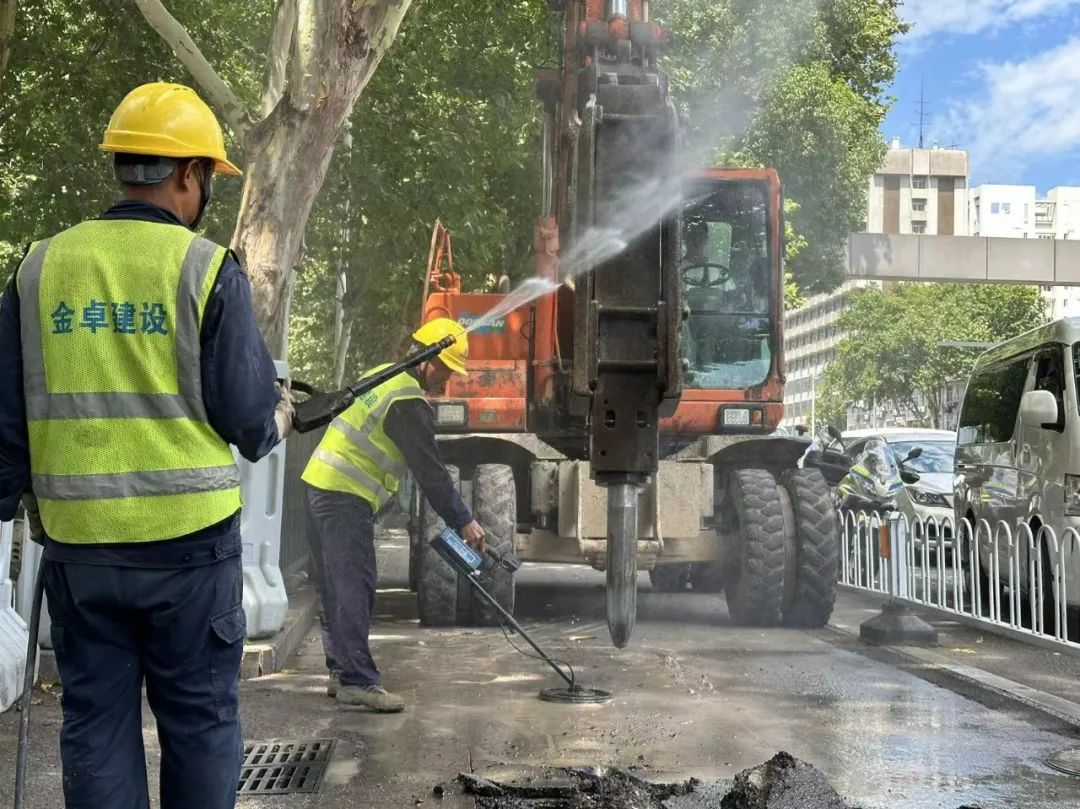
13, 629
263, 485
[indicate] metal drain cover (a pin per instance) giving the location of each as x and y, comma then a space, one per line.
284, 766
1066, 761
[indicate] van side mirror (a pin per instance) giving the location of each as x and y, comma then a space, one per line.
909, 476
1039, 407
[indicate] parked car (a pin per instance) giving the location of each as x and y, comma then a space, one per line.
1018, 445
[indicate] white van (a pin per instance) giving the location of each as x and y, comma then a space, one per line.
1018, 443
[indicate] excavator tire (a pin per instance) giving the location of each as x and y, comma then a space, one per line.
416, 506
670, 578
818, 535
495, 508
754, 585
437, 582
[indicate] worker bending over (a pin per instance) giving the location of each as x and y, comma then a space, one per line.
352, 475
129, 361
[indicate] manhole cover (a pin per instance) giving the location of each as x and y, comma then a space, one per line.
284, 766
1066, 761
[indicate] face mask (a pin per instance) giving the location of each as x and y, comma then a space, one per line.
206, 188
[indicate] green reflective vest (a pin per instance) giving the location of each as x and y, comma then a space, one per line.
356, 456
121, 449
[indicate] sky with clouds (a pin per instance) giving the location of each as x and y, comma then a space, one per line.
1002, 79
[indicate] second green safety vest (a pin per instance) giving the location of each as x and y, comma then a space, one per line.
121, 448
356, 456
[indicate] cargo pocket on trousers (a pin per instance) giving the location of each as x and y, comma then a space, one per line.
227, 631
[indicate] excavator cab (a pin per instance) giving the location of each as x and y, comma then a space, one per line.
726, 275
731, 271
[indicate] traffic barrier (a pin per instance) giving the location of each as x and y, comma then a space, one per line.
1014, 578
13, 628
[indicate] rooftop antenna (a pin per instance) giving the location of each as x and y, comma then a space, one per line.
922, 110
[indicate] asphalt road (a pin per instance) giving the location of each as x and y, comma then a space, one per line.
694, 697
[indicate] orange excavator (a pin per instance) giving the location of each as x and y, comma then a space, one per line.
623, 421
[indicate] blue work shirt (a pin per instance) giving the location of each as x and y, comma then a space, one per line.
238, 378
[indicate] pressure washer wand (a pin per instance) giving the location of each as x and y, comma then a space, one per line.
22, 752
322, 408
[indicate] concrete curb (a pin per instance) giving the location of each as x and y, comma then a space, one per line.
925, 659
271, 655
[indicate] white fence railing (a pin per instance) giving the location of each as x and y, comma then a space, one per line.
1010, 576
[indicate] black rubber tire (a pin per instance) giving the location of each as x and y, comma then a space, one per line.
414, 529
437, 583
754, 575
707, 577
818, 534
670, 578
495, 508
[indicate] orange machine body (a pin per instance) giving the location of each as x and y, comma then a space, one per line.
517, 360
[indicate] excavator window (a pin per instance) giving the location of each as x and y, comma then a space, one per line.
726, 271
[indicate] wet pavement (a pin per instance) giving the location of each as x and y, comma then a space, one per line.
694, 698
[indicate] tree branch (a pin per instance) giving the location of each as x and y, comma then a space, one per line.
220, 94
7, 33
303, 82
277, 57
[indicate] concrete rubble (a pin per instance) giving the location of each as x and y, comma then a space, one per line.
783, 782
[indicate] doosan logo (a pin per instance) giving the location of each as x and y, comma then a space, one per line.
497, 326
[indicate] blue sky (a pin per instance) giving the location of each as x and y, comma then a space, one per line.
1002, 79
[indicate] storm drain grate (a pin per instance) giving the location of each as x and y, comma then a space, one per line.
284, 766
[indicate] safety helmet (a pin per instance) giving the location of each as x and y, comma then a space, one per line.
167, 120
435, 330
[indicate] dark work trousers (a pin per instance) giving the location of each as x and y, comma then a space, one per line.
342, 531
182, 631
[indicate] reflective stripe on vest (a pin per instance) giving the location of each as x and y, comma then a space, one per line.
121, 448
355, 455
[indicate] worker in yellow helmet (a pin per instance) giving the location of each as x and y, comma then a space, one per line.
129, 362
352, 475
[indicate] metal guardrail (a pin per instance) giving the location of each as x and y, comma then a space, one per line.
1004, 576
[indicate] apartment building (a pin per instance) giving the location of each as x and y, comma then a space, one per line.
916, 191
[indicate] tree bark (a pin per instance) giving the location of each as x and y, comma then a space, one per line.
337, 47
322, 55
185, 49
7, 33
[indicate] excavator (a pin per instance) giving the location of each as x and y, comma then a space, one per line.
623, 420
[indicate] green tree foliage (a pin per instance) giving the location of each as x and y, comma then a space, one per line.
448, 128
892, 353
795, 84
71, 63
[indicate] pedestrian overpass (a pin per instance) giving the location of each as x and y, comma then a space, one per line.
962, 259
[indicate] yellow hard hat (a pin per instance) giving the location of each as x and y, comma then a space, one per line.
435, 330
167, 120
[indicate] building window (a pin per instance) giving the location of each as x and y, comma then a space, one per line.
1006, 207
995, 207
919, 182
918, 227
918, 205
